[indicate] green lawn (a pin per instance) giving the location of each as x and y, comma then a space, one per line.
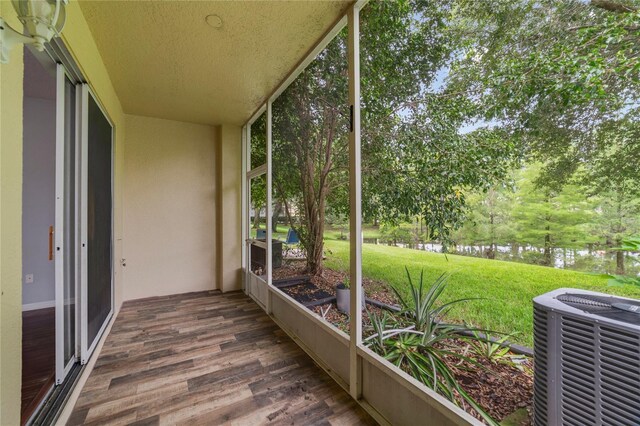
332, 232
281, 234
335, 232
506, 288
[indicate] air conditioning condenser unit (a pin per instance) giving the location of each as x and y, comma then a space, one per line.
587, 359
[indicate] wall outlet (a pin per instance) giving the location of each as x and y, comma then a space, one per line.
28, 279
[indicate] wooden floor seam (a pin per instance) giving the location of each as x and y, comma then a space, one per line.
207, 358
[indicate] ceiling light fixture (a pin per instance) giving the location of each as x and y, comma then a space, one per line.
214, 21
42, 19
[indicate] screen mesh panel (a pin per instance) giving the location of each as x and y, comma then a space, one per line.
99, 208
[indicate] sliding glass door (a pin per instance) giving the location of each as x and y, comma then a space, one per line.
80, 242
84, 226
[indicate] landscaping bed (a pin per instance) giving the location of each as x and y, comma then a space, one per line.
306, 292
500, 386
503, 290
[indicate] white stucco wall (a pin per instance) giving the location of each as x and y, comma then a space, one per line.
169, 221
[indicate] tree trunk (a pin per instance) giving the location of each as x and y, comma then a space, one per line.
256, 217
491, 254
314, 200
619, 262
547, 254
315, 244
276, 217
314, 215
491, 251
621, 228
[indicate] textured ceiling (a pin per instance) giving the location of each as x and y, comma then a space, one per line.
165, 61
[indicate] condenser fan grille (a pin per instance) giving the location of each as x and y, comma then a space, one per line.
575, 299
602, 306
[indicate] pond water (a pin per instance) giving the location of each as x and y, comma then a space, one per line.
595, 261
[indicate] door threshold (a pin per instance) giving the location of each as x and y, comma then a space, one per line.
52, 405
42, 397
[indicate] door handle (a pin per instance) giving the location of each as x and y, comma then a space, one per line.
50, 242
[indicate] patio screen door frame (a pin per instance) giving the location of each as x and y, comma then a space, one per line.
88, 345
257, 286
71, 224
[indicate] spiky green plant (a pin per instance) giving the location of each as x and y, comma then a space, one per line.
491, 349
418, 341
422, 307
497, 350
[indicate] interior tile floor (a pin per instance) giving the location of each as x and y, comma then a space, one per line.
207, 358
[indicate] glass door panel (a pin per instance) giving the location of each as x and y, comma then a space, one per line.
65, 235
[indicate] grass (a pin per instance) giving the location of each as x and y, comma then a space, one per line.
332, 232
505, 289
281, 233
341, 232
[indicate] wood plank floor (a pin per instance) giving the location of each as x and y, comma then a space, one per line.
38, 358
207, 358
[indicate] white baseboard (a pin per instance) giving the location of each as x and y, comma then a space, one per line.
39, 305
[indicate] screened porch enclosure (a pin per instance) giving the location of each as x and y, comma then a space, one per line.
389, 394
183, 321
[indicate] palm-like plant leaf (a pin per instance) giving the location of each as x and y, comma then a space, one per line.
416, 340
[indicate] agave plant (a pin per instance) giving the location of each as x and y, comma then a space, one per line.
491, 349
418, 341
496, 350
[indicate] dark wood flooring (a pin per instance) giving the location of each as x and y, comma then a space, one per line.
38, 358
207, 358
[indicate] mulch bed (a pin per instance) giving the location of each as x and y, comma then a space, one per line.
289, 269
332, 315
306, 292
329, 278
499, 388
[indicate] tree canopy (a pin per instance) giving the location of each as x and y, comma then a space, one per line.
455, 95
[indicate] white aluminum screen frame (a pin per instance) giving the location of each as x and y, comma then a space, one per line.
253, 281
87, 348
351, 20
355, 204
359, 355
